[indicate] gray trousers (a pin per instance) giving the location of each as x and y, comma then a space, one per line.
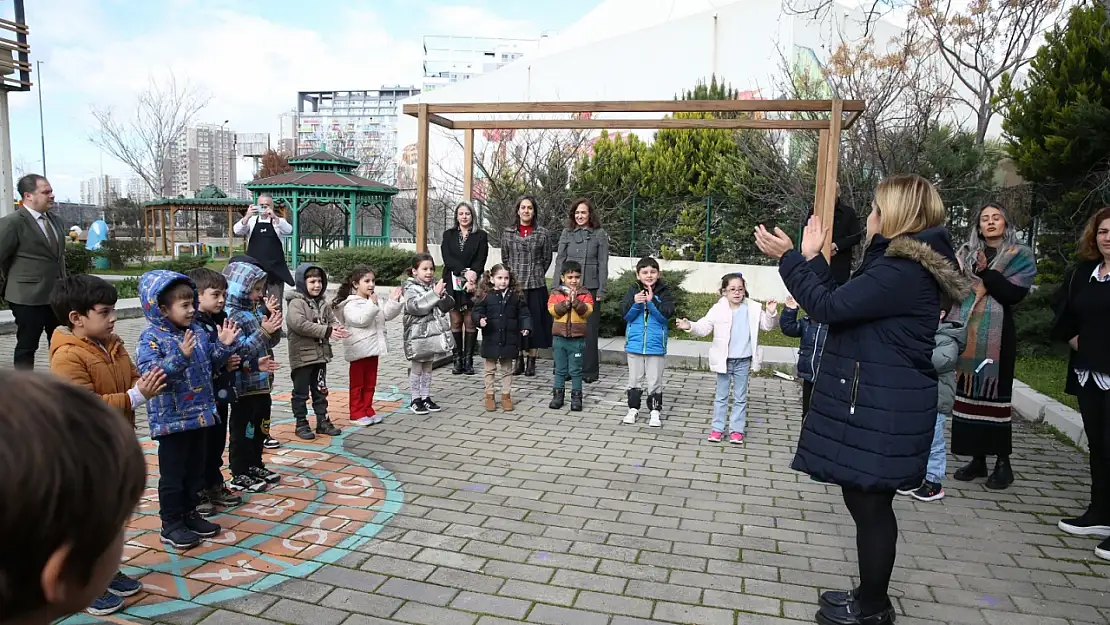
650, 367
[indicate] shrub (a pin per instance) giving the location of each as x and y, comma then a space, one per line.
182, 264
127, 288
1033, 322
389, 263
121, 252
79, 259
612, 321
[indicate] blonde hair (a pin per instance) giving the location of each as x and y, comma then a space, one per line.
907, 203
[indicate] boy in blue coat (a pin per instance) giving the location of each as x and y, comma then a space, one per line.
647, 308
175, 343
813, 336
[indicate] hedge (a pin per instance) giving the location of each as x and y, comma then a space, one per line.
181, 264
79, 259
389, 263
612, 321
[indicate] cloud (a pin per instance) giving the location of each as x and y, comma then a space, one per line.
479, 22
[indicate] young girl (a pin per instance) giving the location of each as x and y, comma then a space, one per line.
358, 308
427, 329
502, 313
735, 322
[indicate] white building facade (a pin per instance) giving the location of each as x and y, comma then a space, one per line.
101, 190
206, 155
449, 59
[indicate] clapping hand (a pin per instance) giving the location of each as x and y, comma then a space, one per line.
773, 244
813, 238
340, 332
524, 332
188, 343
267, 364
234, 361
151, 383
272, 322
397, 293
772, 307
228, 332
272, 303
683, 324
791, 303
440, 287
482, 322
642, 297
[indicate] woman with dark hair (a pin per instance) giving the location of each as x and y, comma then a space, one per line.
1082, 310
526, 249
464, 250
584, 241
1001, 270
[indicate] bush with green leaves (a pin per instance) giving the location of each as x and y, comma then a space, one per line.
389, 263
612, 321
121, 252
182, 264
127, 288
79, 259
1033, 322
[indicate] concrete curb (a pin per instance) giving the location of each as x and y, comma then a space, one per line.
1038, 408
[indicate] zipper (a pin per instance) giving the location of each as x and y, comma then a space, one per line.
855, 389
643, 343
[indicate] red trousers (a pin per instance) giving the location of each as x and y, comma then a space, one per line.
364, 379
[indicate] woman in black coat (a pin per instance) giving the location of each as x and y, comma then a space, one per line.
874, 405
464, 250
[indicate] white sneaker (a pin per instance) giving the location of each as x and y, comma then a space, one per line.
654, 422
364, 421
630, 418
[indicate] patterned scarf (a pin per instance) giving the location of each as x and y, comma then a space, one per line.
983, 316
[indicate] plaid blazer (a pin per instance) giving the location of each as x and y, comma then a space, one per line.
528, 258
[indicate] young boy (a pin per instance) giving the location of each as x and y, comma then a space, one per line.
85, 350
570, 305
250, 414
176, 344
311, 324
266, 304
951, 339
647, 308
62, 449
812, 335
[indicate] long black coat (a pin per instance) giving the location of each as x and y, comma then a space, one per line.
506, 317
456, 260
874, 406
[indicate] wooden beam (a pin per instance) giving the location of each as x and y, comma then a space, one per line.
422, 179
440, 120
852, 117
832, 163
647, 124
468, 164
822, 166
632, 106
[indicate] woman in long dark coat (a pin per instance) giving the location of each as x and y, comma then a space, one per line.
526, 249
464, 250
874, 406
585, 241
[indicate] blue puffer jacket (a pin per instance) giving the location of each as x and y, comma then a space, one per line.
254, 342
187, 402
647, 324
874, 405
812, 344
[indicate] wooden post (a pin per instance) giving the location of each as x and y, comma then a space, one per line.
832, 162
422, 179
230, 232
162, 220
468, 165
822, 166
173, 234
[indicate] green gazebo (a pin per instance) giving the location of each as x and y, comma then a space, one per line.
326, 182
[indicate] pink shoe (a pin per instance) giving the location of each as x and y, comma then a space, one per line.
736, 438
715, 436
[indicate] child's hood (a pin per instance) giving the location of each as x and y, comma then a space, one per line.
241, 278
302, 288
412, 282
954, 329
154, 283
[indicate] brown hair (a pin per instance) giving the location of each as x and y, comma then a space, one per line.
345, 289
907, 204
487, 282
73, 473
1088, 241
594, 223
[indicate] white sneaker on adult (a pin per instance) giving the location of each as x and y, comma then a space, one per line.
654, 421
630, 418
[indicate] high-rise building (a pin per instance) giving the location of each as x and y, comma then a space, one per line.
450, 59
206, 155
138, 191
101, 190
251, 145
357, 124
287, 133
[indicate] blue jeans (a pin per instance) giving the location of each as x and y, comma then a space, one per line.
938, 454
737, 377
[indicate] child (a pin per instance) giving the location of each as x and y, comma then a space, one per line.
735, 322
266, 304
85, 350
62, 449
249, 425
950, 342
812, 335
570, 305
357, 307
176, 344
646, 308
502, 314
427, 329
311, 324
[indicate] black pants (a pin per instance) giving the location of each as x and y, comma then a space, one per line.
591, 364
876, 542
807, 396
1094, 405
310, 380
248, 428
30, 323
214, 450
181, 459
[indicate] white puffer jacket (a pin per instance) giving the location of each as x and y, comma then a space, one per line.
365, 320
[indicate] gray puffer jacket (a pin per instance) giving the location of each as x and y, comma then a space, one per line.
427, 326
951, 339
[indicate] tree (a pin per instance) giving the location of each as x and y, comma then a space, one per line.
610, 175
145, 142
272, 164
124, 212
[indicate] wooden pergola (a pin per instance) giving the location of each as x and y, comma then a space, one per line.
828, 156
159, 215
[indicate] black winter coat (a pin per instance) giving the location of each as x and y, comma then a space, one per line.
506, 317
874, 406
457, 258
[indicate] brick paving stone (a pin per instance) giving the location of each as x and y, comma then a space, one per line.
417, 591
695, 615
538, 592
288, 611
422, 614
361, 602
489, 604
552, 615
223, 617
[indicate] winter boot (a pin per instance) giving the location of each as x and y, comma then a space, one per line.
974, 469
1002, 476
471, 345
304, 430
655, 404
325, 427
491, 405
634, 395
460, 363
506, 402
518, 365
576, 401
558, 398
530, 367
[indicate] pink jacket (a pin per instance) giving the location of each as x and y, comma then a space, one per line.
718, 321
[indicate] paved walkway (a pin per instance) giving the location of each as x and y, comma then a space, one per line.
468, 517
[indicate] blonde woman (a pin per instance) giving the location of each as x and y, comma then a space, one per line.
874, 407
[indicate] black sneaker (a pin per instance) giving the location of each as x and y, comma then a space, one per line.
123, 586
304, 430
180, 537
1087, 525
324, 426
431, 405
263, 473
928, 491
417, 407
221, 496
201, 527
105, 604
205, 507
271, 443
248, 483
1103, 549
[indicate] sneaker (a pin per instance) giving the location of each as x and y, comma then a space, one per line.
630, 418
263, 473
417, 407
123, 586
304, 431
271, 443
736, 438
223, 497
715, 436
201, 527
928, 491
906, 491
654, 421
431, 405
205, 507
180, 537
376, 419
324, 426
105, 604
1103, 549
1086, 525
364, 421
247, 482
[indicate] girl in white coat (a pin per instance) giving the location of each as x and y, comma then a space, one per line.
735, 322
358, 308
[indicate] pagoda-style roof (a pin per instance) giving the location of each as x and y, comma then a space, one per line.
322, 171
198, 201
322, 157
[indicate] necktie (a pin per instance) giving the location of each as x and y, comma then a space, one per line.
51, 236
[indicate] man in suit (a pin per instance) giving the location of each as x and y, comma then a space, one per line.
32, 259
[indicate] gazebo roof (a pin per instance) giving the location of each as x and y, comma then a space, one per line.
198, 202
321, 171
323, 157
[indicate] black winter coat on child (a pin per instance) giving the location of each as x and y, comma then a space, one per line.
506, 317
874, 406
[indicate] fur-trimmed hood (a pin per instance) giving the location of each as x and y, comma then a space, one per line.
932, 249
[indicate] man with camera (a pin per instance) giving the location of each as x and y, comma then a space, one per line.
262, 228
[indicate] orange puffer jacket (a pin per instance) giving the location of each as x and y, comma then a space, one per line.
107, 371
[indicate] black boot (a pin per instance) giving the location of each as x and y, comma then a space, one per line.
576, 401
324, 426
852, 614
471, 345
975, 469
304, 430
1002, 476
459, 362
558, 398
518, 365
530, 367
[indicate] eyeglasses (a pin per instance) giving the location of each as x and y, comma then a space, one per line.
735, 289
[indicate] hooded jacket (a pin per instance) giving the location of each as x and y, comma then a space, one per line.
874, 407
951, 340
647, 324
106, 370
365, 321
255, 342
187, 402
427, 328
309, 321
812, 335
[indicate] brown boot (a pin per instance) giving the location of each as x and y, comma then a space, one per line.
506, 402
491, 405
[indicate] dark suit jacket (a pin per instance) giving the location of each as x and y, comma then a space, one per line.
29, 266
847, 233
